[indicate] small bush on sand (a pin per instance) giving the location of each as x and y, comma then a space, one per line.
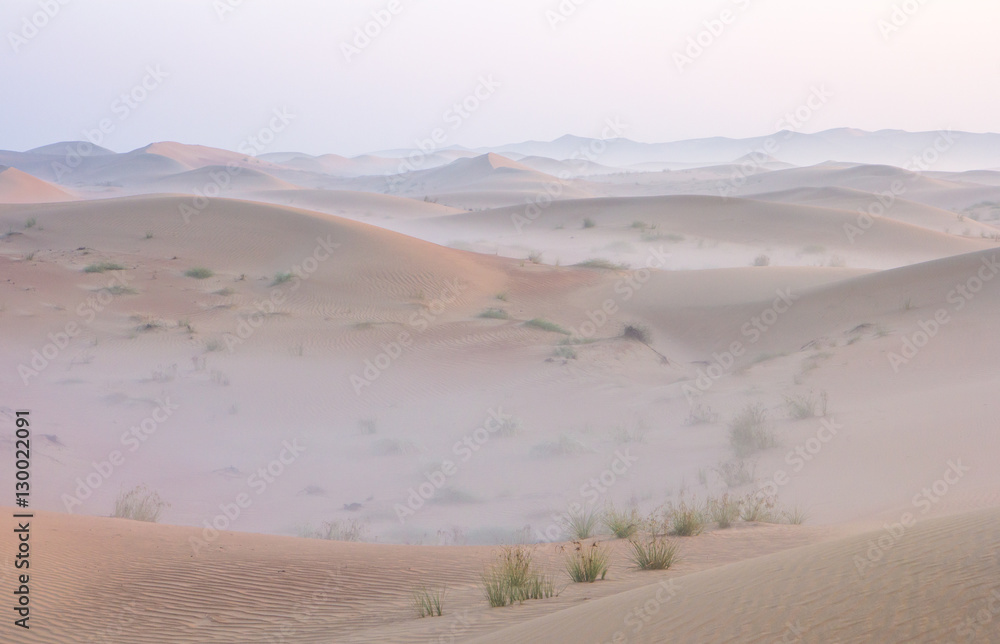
102, 267
802, 406
199, 273
654, 553
587, 564
724, 511
139, 504
637, 332
582, 524
686, 519
759, 508
762, 260
588, 223
736, 472
545, 325
495, 314
512, 578
749, 431
428, 602
622, 523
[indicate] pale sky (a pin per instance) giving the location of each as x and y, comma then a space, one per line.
229, 70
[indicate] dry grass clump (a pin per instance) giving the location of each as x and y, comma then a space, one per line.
654, 553
588, 564
512, 578
750, 432
623, 524
139, 504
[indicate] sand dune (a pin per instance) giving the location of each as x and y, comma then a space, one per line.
20, 187
221, 177
810, 594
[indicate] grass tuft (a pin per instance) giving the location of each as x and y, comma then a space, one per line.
587, 564
512, 578
199, 273
545, 325
622, 523
139, 504
655, 553
750, 432
495, 314
802, 406
102, 267
582, 524
428, 603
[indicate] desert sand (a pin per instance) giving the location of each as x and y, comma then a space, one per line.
320, 337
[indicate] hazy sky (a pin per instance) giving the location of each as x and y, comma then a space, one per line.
550, 67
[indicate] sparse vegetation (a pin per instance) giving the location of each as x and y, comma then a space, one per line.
601, 264
750, 432
762, 260
565, 352
353, 530
139, 504
654, 553
30, 223
587, 564
637, 332
281, 278
102, 267
368, 426
502, 296
30, 256
685, 519
626, 434
535, 257
495, 314
512, 578
802, 406
582, 524
199, 273
723, 511
119, 289
758, 508
736, 472
149, 234
429, 603
622, 523
588, 223
545, 325
701, 415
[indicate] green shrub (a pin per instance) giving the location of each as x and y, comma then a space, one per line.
622, 523
545, 325
655, 553
512, 578
102, 267
139, 504
749, 431
587, 564
199, 273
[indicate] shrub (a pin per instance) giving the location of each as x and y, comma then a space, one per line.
495, 314
512, 578
802, 406
30, 223
637, 332
535, 257
796, 516
762, 260
701, 414
724, 511
587, 565
428, 602
582, 524
686, 520
281, 278
199, 273
758, 508
749, 431
601, 264
139, 504
545, 325
622, 523
565, 352
736, 472
588, 223
102, 267
655, 553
